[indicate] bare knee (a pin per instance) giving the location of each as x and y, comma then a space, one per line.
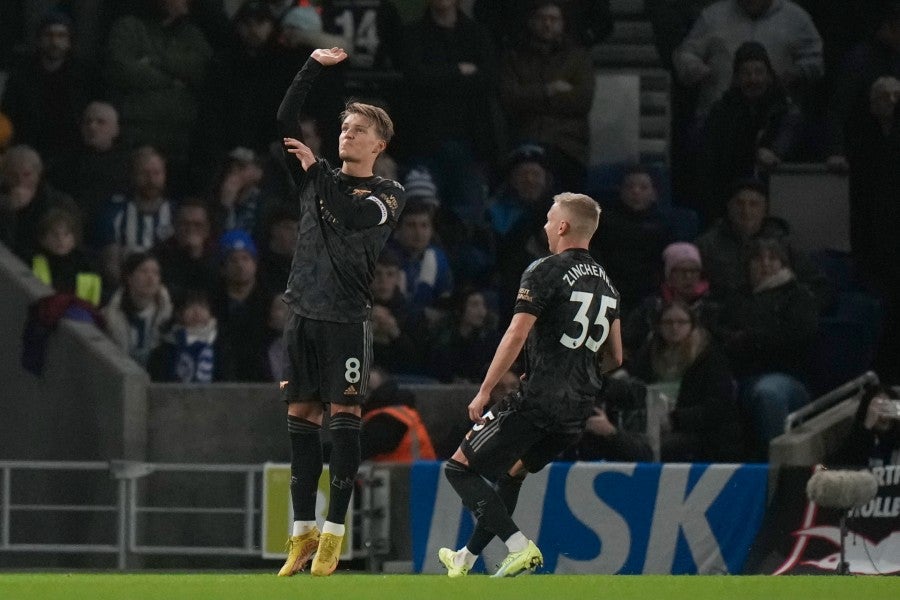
460, 457
311, 411
346, 408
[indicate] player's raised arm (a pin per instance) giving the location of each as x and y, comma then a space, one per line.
288, 116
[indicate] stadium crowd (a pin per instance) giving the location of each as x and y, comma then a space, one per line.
141, 174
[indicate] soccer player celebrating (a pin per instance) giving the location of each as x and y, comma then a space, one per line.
567, 318
346, 215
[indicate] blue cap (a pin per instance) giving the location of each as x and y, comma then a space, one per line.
236, 239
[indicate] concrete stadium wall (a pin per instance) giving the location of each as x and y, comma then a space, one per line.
89, 403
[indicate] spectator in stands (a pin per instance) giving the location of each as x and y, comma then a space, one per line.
703, 423
192, 351
98, 168
138, 221
750, 129
387, 286
516, 214
240, 115
589, 21
46, 94
672, 21
237, 197
873, 149
617, 429
372, 32
704, 59
241, 305
546, 87
24, 198
187, 259
427, 275
393, 347
156, 64
278, 251
725, 245
631, 238
684, 282
768, 332
878, 56
392, 429
451, 74
139, 309
60, 262
465, 342
874, 440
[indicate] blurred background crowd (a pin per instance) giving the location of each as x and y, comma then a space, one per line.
142, 174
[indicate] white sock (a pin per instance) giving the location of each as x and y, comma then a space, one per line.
333, 528
301, 527
517, 542
464, 557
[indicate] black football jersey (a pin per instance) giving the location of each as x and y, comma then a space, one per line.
334, 264
575, 304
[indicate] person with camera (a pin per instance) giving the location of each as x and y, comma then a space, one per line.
874, 440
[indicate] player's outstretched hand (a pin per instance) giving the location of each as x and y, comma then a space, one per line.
329, 56
301, 151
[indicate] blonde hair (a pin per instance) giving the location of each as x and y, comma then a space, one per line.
582, 209
384, 127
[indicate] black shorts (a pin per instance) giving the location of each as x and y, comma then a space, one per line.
493, 448
326, 362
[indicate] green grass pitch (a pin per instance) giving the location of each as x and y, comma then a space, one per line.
345, 586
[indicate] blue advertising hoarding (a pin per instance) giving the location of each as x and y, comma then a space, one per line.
626, 518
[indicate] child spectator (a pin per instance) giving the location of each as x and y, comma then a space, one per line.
192, 351
59, 262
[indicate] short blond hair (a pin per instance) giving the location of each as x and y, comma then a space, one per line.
583, 211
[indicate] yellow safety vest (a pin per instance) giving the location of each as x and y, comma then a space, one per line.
87, 285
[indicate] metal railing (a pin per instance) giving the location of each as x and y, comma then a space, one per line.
826, 401
369, 539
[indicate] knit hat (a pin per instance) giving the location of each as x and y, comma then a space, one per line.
751, 51
680, 252
419, 185
236, 239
